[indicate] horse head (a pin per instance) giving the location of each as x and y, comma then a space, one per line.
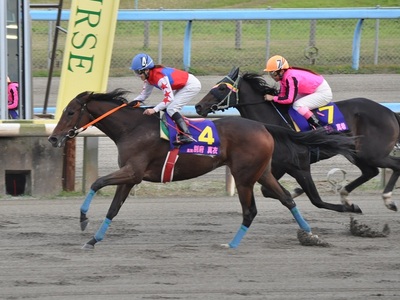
223, 95
77, 117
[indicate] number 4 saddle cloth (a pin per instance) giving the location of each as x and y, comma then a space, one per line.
203, 131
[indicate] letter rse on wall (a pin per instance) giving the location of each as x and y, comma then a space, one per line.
88, 49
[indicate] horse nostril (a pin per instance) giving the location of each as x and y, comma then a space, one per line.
52, 140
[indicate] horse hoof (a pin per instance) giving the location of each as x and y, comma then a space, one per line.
392, 206
309, 239
84, 224
87, 247
356, 209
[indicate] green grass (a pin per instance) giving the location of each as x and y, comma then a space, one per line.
213, 42
213, 4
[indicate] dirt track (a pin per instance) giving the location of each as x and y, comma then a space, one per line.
168, 248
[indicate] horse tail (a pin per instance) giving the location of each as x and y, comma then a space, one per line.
328, 144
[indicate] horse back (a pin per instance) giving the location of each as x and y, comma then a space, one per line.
372, 122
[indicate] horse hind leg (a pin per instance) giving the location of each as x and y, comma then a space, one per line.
367, 173
249, 212
387, 192
269, 182
394, 164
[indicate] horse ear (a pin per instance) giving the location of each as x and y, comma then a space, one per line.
233, 74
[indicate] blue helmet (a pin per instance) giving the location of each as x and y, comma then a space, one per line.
141, 62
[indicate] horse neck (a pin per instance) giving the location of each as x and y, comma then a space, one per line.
255, 108
119, 123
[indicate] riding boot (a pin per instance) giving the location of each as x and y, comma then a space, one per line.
184, 137
314, 122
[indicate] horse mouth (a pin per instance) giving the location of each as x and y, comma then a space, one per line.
202, 112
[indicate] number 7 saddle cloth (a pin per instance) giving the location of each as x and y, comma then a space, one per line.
329, 115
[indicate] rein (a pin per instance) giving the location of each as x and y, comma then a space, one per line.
233, 87
100, 118
75, 131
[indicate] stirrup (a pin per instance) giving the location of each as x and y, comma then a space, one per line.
183, 139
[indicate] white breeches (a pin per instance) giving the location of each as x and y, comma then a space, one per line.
322, 96
184, 95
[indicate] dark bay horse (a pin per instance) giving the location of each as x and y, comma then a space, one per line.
375, 127
245, 146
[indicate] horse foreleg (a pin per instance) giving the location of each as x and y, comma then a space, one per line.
118, 177
84, 209
120, 196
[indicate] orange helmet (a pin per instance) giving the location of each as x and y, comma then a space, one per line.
276, 63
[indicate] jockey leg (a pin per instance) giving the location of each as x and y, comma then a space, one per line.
309, 116
184, 136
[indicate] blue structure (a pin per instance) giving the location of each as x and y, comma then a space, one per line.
243, 14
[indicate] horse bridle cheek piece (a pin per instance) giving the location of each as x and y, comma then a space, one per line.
225, 103
75, 130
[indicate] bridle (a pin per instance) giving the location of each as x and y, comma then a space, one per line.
229, 101
225, 103
75, 131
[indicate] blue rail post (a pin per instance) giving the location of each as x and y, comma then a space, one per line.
357, 45
187, 46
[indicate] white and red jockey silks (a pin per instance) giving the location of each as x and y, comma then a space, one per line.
178, 88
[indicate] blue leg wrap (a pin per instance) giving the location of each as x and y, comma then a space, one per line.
238, 237
102, 230
86, 203
299, 219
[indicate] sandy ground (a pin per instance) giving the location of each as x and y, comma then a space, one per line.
168, 248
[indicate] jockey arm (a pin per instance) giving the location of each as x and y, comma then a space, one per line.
145, 93
13, 98
165, 86
288, 91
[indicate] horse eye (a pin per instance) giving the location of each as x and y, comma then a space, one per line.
222, 87
70, 112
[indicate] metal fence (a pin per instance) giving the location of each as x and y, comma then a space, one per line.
216, 45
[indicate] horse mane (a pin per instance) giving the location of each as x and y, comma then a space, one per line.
116, 96
258, 83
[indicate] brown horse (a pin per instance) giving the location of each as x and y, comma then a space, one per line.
377, 130
245, 146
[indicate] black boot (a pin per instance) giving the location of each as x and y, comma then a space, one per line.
314, 122
184, 137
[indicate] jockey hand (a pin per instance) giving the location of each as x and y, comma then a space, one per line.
149, 111
268, 97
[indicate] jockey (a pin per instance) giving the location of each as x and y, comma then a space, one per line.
304, 88
178, 87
